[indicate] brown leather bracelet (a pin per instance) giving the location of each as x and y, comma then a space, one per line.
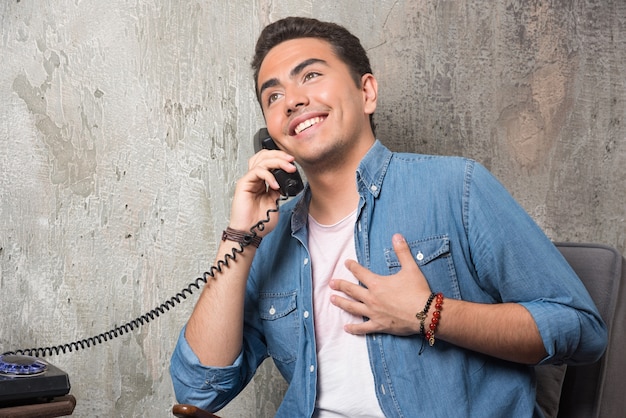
242, 237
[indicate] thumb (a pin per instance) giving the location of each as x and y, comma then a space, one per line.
401, 247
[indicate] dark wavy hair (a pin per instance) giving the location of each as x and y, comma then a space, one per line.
345, 45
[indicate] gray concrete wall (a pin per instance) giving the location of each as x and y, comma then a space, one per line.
125, 124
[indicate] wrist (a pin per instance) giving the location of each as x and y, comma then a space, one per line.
434, 319
423, 315
429, 318
244, 238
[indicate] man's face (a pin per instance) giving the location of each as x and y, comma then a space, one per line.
311, 104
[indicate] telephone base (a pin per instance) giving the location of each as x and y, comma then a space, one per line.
47, 383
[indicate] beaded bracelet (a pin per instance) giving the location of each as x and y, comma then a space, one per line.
430, 334
421, 316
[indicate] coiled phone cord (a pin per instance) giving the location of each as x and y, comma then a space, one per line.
161, 309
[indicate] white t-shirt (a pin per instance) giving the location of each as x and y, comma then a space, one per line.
345, 384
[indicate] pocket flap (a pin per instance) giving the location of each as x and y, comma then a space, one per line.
276, 305
424, 250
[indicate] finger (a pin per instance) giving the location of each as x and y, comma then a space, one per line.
256, 180
349, 305
352, 290
401, 247
366, 327
264, 164
361, 273
271, 160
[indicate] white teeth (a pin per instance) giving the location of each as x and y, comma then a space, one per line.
307, 124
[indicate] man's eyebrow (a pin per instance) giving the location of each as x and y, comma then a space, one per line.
295, 71
269, 83
298, 68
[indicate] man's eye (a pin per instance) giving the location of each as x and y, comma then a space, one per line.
272, 98
310, 75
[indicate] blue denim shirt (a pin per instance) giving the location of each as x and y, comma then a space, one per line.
471, 240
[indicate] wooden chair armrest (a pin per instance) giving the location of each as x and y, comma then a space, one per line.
190, 411
57, 407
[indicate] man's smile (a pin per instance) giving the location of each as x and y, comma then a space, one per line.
307, 124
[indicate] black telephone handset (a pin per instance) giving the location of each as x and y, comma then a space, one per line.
290, 183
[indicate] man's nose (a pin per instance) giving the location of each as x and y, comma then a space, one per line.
295, 98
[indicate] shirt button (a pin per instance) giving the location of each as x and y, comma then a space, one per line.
306, 314
272, 310
306, 261
374, 188
312, 368
419, 256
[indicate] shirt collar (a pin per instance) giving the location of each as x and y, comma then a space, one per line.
369, 176
373, 167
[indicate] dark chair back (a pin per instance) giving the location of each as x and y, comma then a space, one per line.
599, 389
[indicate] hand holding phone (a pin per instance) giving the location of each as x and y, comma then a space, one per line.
290, 183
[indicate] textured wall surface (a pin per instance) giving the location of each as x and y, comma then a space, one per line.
125, 124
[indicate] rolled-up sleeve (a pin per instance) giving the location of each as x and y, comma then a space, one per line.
209, 388
516, 262
570, 335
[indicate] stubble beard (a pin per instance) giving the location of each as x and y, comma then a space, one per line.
325, 160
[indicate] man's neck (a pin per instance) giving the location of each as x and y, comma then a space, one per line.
331, 203
334, 193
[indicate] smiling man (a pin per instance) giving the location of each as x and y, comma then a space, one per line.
394, 285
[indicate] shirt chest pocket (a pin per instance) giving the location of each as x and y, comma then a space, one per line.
278, 312
433, 257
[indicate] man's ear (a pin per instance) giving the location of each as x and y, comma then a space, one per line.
369, 86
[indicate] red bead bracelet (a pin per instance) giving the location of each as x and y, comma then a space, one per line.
430, 334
